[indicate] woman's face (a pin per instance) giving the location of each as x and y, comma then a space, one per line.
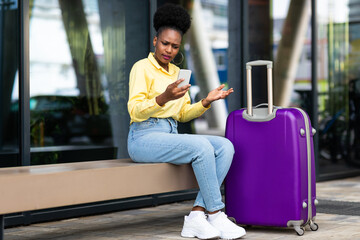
167, 46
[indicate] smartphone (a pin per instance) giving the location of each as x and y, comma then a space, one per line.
185, 74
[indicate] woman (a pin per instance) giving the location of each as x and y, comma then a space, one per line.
155, 106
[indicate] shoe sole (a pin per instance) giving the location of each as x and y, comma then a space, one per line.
232, 237
189, 234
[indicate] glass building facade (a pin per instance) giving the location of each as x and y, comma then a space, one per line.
80, 55
313, 45
9, 76
64, 68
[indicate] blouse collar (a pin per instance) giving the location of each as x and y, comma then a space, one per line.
172, 68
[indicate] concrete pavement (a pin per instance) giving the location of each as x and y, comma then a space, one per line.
165, 221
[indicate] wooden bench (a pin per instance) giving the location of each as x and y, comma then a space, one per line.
47, 186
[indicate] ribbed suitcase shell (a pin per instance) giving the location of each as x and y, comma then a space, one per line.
268, 182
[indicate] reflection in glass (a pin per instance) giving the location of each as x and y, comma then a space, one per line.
333, 93
337, 69
338, 88
71, 109
9, 91
78, 79
206, 50
292, 53
354, 85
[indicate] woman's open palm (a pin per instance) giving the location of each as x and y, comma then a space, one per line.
219, 93
216, 94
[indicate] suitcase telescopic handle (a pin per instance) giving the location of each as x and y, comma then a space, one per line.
269, 66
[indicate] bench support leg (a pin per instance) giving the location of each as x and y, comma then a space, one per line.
2, 227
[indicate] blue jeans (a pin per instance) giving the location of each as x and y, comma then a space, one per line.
157, 140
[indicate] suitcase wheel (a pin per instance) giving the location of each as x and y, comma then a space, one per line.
314, 226
299, 230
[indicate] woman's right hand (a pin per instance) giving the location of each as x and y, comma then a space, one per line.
172, 92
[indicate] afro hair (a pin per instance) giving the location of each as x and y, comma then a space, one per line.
172, 16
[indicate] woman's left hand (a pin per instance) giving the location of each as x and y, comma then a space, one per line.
216, 94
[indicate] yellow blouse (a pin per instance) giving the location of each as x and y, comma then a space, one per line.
148, 80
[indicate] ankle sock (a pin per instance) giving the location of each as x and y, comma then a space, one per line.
195, 214
211, 217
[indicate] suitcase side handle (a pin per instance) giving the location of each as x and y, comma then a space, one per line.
249, 65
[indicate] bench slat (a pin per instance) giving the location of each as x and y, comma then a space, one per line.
47, 186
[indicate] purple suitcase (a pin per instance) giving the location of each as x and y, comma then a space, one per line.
271, 181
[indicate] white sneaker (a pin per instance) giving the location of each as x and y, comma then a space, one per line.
228, 229
199, 227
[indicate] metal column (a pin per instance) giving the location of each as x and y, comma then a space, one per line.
314, 83
237, 52
24, 83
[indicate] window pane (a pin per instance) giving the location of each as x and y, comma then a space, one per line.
338, 77
206, 50
9, 87
79, 77
292, 53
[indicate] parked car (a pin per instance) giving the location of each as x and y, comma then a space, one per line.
64, 120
